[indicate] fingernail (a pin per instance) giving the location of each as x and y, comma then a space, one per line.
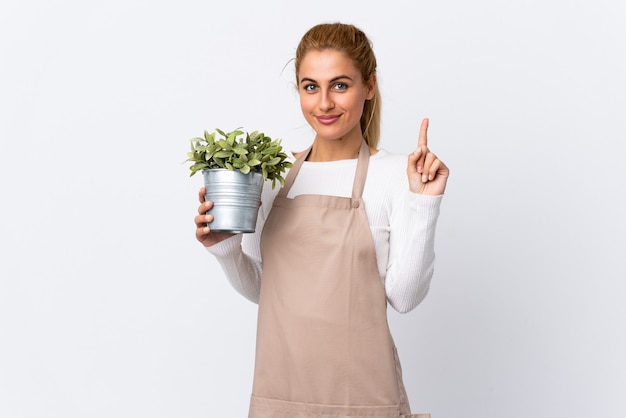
424, 178
419, 168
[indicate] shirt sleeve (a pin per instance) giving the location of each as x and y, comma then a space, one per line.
240, 255
411, 260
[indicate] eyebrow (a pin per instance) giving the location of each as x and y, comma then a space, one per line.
331, 81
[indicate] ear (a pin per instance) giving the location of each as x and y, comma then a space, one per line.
370, 87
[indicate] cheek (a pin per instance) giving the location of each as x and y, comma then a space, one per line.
305, 102
356, 103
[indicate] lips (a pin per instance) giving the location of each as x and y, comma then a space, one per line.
327, 119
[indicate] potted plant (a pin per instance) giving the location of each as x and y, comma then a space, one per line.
235, 165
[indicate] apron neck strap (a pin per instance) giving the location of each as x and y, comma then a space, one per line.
359, 177
293, 171
361, 171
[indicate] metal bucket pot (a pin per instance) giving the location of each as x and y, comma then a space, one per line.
236, 198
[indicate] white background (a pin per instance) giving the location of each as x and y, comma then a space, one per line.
110, 308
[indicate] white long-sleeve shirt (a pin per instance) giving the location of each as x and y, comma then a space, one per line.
402, 223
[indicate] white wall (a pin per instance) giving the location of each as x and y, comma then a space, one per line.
110, 308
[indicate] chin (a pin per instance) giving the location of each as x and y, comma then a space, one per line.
332, 134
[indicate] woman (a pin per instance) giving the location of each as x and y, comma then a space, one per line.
332, 249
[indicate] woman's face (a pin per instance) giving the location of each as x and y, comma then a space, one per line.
332, 95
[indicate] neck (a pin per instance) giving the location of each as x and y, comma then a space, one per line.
339, 149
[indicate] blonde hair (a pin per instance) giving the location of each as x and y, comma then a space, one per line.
352, 42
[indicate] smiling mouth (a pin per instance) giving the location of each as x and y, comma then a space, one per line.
327, 119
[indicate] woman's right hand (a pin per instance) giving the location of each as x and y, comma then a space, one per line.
203, 231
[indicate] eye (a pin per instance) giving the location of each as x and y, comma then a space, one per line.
341, 86
309, 87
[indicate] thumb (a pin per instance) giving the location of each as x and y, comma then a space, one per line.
412, 160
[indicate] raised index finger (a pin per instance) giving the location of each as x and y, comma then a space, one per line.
422, 141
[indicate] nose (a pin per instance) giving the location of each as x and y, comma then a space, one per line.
326, 102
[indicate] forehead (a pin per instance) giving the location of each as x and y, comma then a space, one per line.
326, 64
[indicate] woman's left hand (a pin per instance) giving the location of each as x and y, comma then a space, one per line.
427, 173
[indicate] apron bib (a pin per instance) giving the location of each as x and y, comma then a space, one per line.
323, 343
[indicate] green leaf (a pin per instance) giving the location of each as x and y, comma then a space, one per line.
240, 150
223, 154
245, 169
198, 167
271, 150
231, 139
273, 161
